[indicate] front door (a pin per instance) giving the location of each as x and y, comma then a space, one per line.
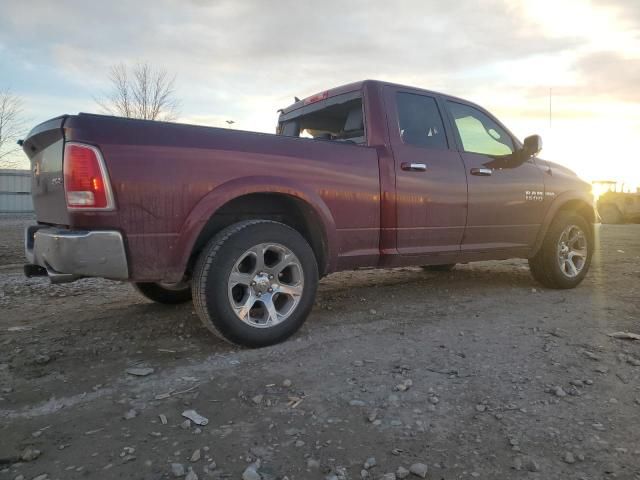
431, 185
505, 194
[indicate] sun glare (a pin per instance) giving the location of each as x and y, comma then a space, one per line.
598, 189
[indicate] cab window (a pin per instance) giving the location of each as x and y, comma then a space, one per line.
339, 118
419, 121
478, 132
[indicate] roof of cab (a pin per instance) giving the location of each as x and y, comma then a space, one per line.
351, 87
332, 92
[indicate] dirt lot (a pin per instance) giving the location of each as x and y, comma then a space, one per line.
478, 373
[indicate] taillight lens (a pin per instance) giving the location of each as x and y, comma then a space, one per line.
86, 183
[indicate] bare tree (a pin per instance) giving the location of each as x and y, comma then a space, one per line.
12, 126
140, 92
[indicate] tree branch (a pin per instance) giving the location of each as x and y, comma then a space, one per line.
12, 126
140, 92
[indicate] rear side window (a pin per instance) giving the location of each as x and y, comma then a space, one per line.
478, 132
419, 121
339, 118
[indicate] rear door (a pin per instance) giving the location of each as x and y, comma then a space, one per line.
506, 194
431, 185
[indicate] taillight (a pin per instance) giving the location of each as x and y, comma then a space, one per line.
86, 183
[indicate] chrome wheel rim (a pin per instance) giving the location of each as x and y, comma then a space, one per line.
265, 285
572, 251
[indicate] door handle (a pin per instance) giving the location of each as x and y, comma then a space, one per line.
482, 172
413, 167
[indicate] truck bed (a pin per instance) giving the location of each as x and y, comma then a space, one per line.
161, 172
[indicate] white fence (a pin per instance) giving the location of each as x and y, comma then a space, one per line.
15, 191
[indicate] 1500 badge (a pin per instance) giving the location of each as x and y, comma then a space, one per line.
535, 196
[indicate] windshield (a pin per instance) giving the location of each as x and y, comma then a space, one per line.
338, 118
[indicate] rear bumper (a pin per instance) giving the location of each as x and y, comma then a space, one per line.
67, 255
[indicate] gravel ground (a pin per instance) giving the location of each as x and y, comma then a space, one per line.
12, 238
477, 373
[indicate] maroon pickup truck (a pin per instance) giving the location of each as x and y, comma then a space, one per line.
369, 174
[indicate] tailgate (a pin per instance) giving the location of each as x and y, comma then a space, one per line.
45, 147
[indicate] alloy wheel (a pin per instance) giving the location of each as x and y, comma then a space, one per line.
265, 285
572, 251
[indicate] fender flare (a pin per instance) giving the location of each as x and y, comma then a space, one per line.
558, 204
208, 205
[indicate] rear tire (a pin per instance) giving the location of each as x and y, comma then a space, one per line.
163, 293
565, 256
439, 268
255, 282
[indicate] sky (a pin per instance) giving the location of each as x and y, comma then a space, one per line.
242, 60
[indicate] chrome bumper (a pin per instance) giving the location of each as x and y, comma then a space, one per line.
67, 255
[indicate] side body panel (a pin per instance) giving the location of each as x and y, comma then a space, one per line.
506, 205
431, 205
506, 208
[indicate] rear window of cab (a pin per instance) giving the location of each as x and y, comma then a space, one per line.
339, 118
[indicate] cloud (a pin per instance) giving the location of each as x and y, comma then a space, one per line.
628, 12
230, 56
610, 74
599, 76
248, 43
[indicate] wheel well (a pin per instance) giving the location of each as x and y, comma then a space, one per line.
582, 208
291, 211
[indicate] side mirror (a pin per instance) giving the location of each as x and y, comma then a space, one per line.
532, 145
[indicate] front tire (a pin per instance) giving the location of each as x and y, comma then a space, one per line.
255, 282
169, 294
565, 256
